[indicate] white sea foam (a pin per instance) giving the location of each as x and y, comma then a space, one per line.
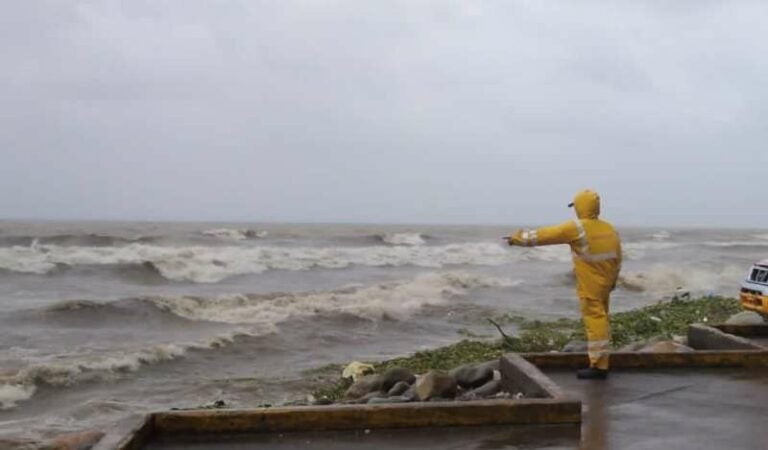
403, 239
255, 315
664, 279
662, 235
63, 370
231, 234
212, 264
743, 243
394, 300
11, 394
637, 250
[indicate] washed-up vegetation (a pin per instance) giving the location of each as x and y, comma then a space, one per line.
662, 320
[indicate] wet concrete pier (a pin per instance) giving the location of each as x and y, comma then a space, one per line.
693, 408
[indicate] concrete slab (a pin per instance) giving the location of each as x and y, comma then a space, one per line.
551, 437
693, 408
673, 409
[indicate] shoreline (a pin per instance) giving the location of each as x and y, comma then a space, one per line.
667, 319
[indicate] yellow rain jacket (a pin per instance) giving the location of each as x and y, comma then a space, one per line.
596, 251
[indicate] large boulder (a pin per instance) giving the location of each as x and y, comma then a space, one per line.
666, 347
396, 375
363, 386
470, 376
436, 384
745, 318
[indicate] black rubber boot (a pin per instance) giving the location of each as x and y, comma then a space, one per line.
592, 373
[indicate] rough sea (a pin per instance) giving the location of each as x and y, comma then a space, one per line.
101, 321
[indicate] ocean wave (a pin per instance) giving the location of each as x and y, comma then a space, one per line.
386, 300
411, 239
69, 370
203, 264
11, 394
637, 250
84, 240
245, 315
234, 234
663, 279
662, 235
733, 244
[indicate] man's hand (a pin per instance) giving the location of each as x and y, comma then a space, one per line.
516, 238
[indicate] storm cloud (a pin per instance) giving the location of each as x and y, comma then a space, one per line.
384, 111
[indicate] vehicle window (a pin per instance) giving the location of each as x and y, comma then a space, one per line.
762, 276
754, 274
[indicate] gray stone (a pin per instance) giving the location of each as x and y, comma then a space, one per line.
395, 375
363, 386
436, 384
488, 389
411, 393
745, 318
470, 376
575, 347
398, 389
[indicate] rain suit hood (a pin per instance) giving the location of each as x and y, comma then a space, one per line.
587, 204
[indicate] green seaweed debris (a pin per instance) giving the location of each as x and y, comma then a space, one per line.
664, 319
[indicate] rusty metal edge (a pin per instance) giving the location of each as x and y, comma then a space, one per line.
637, 360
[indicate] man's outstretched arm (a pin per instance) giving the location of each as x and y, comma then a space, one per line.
565, 233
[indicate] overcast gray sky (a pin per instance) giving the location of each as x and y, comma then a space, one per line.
384, 111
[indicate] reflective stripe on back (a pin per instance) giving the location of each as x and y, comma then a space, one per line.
584, 253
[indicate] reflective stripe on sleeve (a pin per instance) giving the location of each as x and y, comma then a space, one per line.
583, 244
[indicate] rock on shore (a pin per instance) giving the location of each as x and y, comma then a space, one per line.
470, 376
745, 318
436, 384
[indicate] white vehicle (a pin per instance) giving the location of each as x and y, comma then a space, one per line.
754, 290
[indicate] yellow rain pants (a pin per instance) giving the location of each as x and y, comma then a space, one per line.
596, 251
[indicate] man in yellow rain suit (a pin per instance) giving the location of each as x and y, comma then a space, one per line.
596, 251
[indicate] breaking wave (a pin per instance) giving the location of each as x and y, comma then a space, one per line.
21, 385
250, 315
203, 264
663, 279
662, 235
84, 240
11, 394
735, 244
411, 239
230, 234
386, 300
